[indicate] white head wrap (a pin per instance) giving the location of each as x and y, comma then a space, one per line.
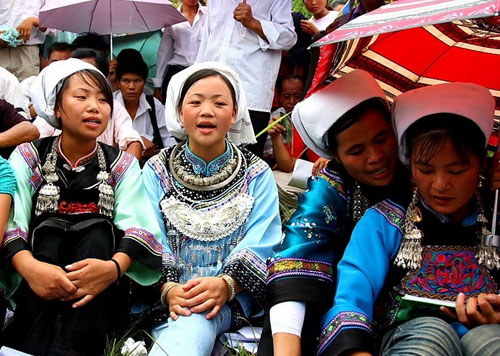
314, 116
241, 132
47, 84
468, 100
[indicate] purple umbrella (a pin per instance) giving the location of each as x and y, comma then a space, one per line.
109, 16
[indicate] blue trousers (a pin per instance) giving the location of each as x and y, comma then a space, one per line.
430, 336
192, 335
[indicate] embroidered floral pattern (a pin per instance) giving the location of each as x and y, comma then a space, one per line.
119, 167
342, 320
335, 181
77, 208
299, 267
30, 155
14, 234
145, 238
392, 212
447, 271
309, 227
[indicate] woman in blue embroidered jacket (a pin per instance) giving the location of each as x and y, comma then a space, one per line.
218, 207
347, 121
434, 245
80, 220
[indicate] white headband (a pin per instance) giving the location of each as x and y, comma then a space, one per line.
241, 132
314, 116
47, 84
468, 100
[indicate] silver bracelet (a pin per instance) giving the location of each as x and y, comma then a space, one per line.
163, 296
230, 283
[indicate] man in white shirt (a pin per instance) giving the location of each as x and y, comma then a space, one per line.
179, 45
23, 61
249, 37
148, 114
11, 91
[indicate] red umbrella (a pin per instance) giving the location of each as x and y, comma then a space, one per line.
463, 46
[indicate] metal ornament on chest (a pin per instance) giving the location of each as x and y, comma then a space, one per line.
410, 251
360, 203
48, 197
487, 250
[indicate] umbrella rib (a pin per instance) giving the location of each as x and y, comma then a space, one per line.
92, 17
137, 9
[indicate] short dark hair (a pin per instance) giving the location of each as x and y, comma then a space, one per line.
201, 74
432, 131
352, 116
102, 62
59, 46
96, 79
130, 61
92, 40
281, 80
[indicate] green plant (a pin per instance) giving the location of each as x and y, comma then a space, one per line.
298, 6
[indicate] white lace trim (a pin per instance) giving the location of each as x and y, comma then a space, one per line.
208, 225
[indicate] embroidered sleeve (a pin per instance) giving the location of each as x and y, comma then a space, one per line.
24, 162
312, 243
361, 276
134, 215
246, 263
155, 180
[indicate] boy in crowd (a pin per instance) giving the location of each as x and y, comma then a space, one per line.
147, 112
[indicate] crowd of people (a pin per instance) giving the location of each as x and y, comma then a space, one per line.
168, 206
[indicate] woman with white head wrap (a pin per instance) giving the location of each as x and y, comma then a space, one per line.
81, 219
412, 255
217, 205
348, 121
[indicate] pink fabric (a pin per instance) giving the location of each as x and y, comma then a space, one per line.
109, 16
404, 14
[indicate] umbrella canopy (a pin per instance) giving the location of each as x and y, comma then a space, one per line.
464, 50
109, 16
404, 14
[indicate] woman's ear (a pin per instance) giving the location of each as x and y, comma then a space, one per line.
57, 111
181, 116
233, 118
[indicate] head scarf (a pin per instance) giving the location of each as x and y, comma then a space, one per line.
468, 100
241, 132
48, 83
314, 116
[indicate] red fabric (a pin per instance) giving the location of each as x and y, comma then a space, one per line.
416, 57
299, 147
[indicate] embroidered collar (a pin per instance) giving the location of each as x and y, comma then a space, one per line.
80, 162
201, 167
469, 220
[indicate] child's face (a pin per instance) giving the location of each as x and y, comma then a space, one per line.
207, 113
84, 110
446, 182
131, 85
315, 6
